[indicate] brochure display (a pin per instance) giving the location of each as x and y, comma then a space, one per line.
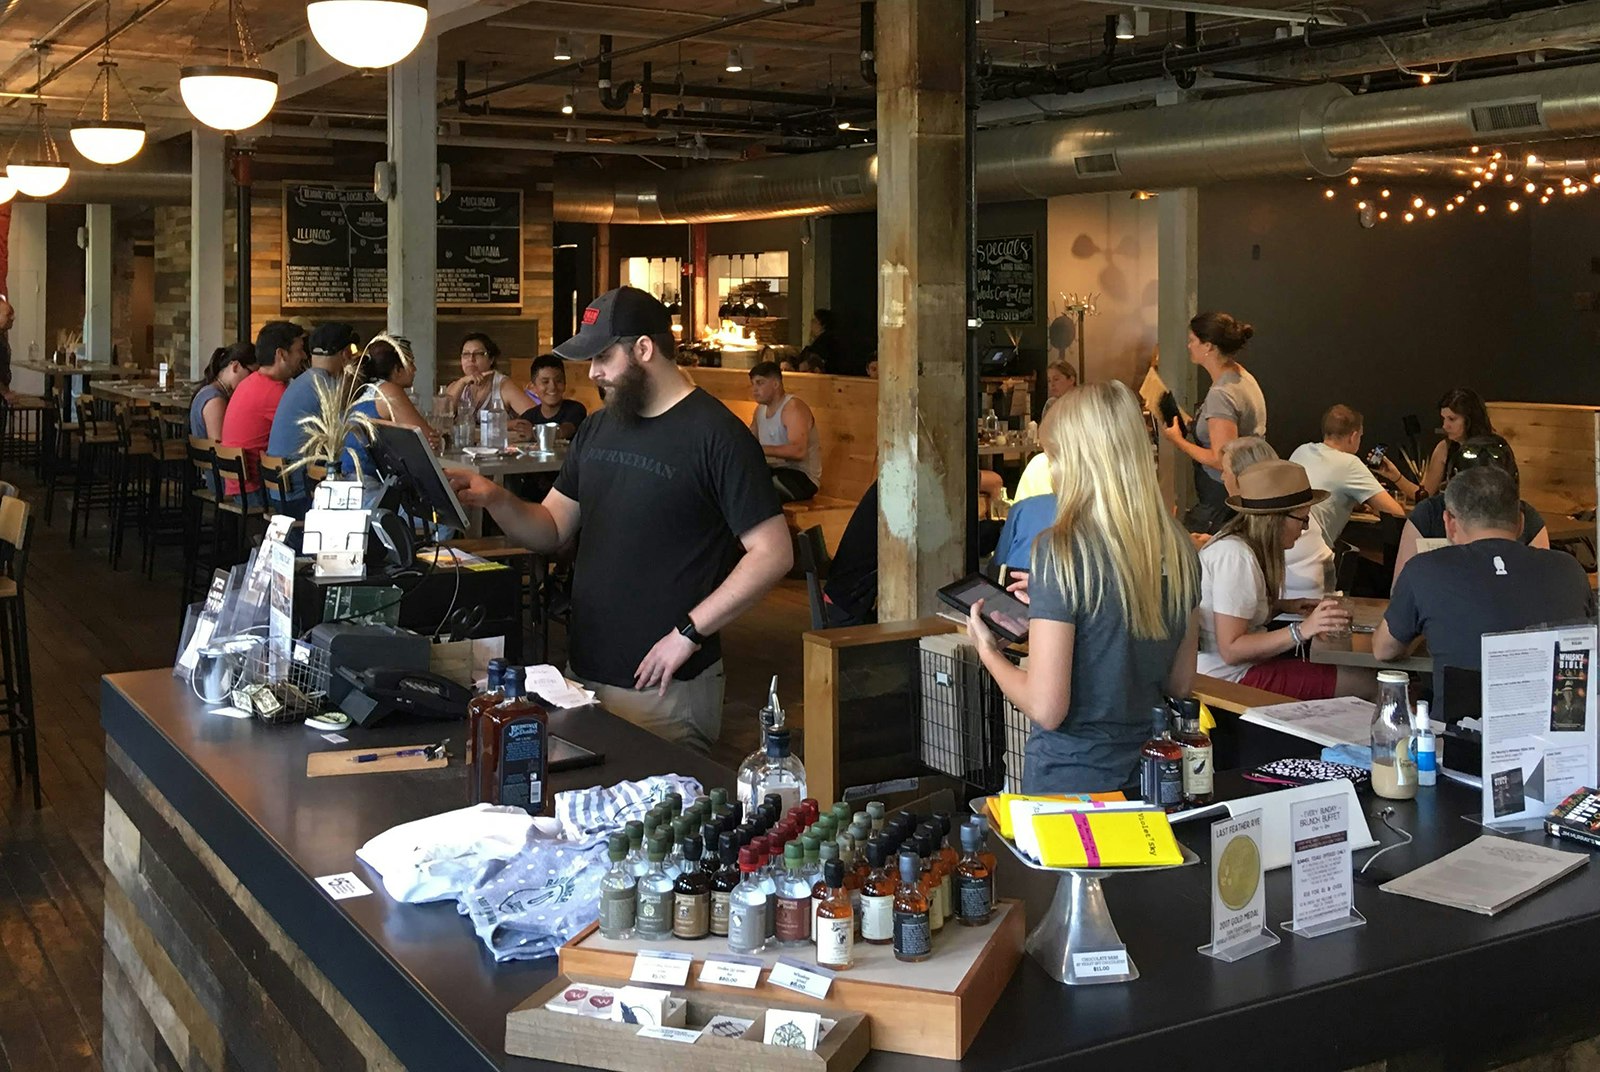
1238, 892
1324, 885
1538, 722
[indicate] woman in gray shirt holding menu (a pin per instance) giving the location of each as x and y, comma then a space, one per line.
1111, 624
1233, 407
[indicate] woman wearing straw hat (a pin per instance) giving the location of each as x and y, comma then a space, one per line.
1112, 622
1241, 572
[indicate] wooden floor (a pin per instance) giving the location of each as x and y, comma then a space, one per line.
87, 620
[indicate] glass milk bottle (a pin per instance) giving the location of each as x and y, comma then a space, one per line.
1394, 763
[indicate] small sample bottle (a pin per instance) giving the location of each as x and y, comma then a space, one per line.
835, 921
638, 863
819, 887
477, 707
673, 865
747, 908
1197, 758
723, 883
913, 929
929, 878
1161, 765
948, 858
768, 881
793, 927
876, 809
654, 916
1427, 747
980, 823
812, 869
619, 891
513, 750
877, 896
974, 882
691, 896
841, 816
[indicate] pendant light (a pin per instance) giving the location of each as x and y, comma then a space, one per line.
235, 95
37, 169
368, 33
736, 299
725, 311
8, 189
758, 308
105, 140
750, 305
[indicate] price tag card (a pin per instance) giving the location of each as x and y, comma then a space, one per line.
670, 1034
729, 970
1320, 867
656, 966
1101, 964
342, 887
807, 979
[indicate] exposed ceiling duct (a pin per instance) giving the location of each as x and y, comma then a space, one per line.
122, 187
1312, 131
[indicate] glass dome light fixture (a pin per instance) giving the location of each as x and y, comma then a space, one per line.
8, 189
369, 34
105, 140
37, 169
235, 95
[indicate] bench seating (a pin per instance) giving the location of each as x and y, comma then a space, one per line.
1221, 695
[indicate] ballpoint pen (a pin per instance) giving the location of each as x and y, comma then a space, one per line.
432, 751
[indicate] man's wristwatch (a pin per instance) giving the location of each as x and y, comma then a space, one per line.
690, 633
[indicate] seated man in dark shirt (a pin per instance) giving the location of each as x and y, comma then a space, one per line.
1487, 581
1427, 520
824, 348
550, 385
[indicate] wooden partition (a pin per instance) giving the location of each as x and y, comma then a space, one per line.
846, 409
1555, 448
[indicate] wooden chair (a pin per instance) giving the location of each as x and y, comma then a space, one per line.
811, 555
16, 534
277, 487
243, 505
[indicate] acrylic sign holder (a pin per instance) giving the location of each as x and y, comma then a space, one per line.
1078, 931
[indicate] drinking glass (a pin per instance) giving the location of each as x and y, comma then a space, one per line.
1330, 590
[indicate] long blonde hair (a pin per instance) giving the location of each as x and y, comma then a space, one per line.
1112, 529
1263, 534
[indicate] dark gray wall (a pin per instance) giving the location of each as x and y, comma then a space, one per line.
1385, 320
1560, 336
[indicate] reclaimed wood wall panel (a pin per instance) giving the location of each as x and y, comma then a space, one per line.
1555, 448
197, 974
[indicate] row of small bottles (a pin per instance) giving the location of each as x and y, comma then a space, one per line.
795, 880
1176, 771
508, 743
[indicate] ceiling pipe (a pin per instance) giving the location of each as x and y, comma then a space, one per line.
473, 141
1294, 133
777, 44
122, 187
94, 47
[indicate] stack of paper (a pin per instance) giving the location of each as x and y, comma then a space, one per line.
553, 687
1489, 875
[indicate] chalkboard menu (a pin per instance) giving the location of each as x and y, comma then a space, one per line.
1007, 274
336, 247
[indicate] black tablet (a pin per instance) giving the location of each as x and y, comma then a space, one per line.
1003, 612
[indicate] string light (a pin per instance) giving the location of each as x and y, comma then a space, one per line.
1566, 182
1329, 194
1533, 161
1383, 215
1426, 78
1476, 184
1461, 198
1383, 193
1432, 213
1361, 206
1449, 206
1473, 150
1482, 209
1416, 202
1513, 206
1408, 217
1545, 200
1356, 181
1528, 188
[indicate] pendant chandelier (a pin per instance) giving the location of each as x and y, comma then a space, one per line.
105, 140
8, 189
368, 33
37, 168
235, 95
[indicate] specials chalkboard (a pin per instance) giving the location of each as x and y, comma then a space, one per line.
336, 247
1007, 275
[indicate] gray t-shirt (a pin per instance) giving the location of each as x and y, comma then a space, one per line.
1456, 594
1236, 397
1116, 680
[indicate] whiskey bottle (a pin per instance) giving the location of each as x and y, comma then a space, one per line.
793, 925
1161, 765
513, 750
619, 891
819, 886
691, 896
477, 707
974, 883
981, 825
747, 908
913, 931
877, 896
1197, 758
723, 882
835, 921
638, 863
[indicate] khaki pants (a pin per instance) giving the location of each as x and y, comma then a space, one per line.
689, 714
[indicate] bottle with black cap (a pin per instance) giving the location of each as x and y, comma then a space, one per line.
877, 896
835, 921
724, 881
691, 895
913, 932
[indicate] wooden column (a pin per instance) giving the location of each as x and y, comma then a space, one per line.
1177, 260
922, 339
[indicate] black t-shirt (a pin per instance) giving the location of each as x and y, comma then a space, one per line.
827, 347
1456, 594
568, 412
663, 502
1428, 519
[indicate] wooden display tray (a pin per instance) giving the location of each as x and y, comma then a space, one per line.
932, 1009
534, 1031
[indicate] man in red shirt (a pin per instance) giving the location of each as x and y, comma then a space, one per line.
281, 350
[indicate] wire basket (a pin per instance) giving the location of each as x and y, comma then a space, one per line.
283, 681
956, 704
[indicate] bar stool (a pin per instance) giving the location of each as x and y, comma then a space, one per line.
130, 476
166, 493
243, 505
16, 693
26, 424
203, 492
275, 483
97, 446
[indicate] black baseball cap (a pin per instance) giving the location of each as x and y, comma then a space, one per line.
330, 339
623, 313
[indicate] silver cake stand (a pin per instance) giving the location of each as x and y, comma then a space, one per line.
1076, 942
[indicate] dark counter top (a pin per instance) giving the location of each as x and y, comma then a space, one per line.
1416, 975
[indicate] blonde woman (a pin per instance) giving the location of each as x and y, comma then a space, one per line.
1242, 572
1113, 589
1305, 565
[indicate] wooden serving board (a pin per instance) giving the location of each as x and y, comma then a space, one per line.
328, 764
933, 1008
534, 1031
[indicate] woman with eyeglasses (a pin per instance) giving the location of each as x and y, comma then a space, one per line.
479, 380
228, 368
1242, 570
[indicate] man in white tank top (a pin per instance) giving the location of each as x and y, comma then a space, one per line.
787, 432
